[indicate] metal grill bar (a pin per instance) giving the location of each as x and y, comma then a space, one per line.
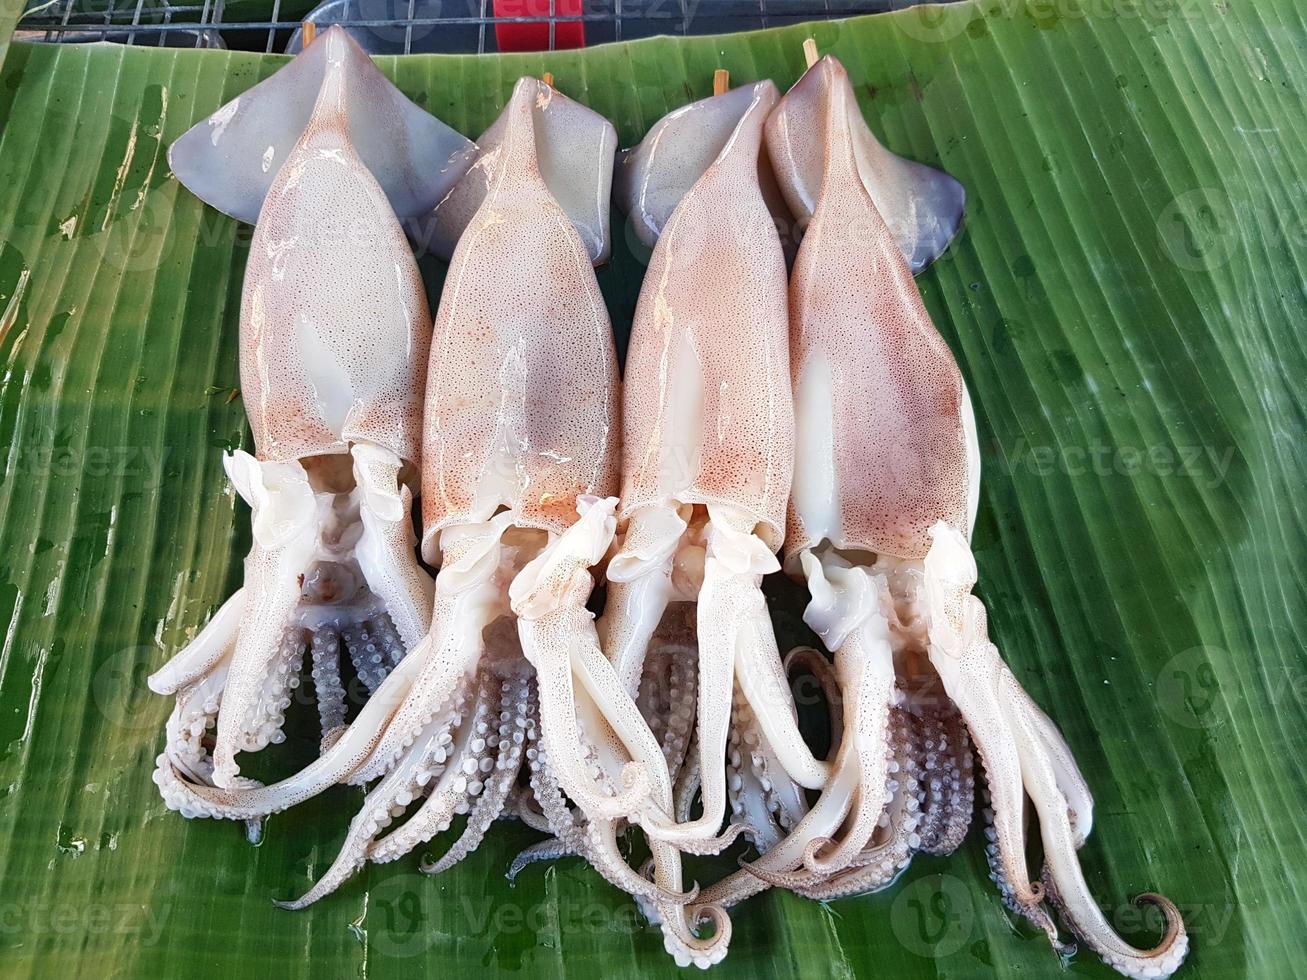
272, 31
136, 19
157, 22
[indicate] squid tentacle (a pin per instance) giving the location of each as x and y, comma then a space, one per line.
521, 805
550, 849
1034, 911
754, 876
294, 525
324, 650
848, 610
469, 598
607, 761
463, 758
260, 670
548, 793
640, 587
385, 550
1012, 736
578, 836
289, 519
741, 559
363, 654
201, 656
594, 837
559, 639
866, 670
737, 644
820, 823
422, 689
490, 804
894, 840
185, 761
766, 804
357, 747
813, 661
687, 948
425, 758
670, 674
686, 790
948, 780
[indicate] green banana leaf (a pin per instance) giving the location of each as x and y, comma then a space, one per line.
1126, 302
9, 16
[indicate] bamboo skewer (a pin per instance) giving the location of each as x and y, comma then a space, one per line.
308, 31
548, 78
721, 81
810, 52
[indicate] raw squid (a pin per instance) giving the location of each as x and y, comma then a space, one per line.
706, 466
334, 338
886, 487
653, 177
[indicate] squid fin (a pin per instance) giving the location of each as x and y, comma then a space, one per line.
230, 159
574, 149
921, 205
651, 177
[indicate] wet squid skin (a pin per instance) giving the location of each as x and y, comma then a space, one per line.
886, 488
334, 336
921, 206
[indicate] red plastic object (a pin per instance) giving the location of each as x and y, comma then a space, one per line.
535, 37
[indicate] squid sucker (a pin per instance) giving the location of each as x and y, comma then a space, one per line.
885, 494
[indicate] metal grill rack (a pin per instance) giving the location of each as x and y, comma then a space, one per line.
403, 26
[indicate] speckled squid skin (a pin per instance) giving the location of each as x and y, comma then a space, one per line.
708, 414
897, 461
921, 205
523, 393
335, 328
